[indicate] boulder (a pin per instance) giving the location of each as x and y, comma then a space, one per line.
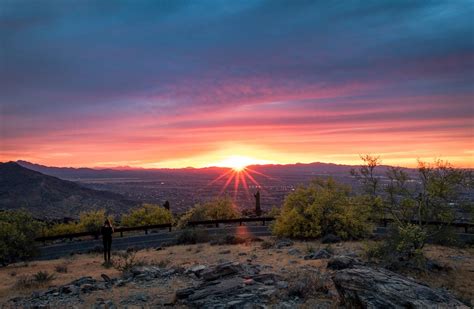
342, 262
321, 254
365, 287
283, 243
294, 251
221, 270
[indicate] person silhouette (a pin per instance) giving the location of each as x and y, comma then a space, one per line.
258, 210
107, 230
166, 205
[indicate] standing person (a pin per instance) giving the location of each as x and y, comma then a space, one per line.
106, 230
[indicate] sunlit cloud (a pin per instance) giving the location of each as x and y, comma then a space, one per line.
177, 84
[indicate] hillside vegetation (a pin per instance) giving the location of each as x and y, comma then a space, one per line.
50, 197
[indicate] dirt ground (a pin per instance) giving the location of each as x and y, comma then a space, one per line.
459, 280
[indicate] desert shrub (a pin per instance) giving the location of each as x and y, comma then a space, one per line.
61, 269
192, 236
220, 208
62, 228
42, 277
39, 279
267, 244
17, 233
92, 221
24, 282
324, 207
274, 212
446, 237
124, 261
435, 198
148, 214
229, 239
307, 284
402, 248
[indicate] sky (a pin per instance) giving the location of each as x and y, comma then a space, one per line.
197, 83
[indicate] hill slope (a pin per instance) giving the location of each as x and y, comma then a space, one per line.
50, 197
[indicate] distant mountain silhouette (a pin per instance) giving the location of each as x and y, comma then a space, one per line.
49, 197
276, 170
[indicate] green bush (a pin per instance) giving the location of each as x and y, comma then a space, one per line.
62, 228
92, 221
17, 233
43, 277
440, 186
125, 261
220, 208
192, 236
324, 207
148, 214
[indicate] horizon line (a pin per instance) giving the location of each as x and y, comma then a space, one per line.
123, 168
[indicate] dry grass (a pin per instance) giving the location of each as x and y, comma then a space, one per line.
460, 280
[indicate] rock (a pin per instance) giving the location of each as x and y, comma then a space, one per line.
267, 278
224, 252
86, 288
330, 239
221, 270
220, 289
197, 270
321, 254
235, 303
282, 284
109, 304
83, 280
168, 272
106, 278
69, 289
249, 281
341, 262
184, 293
283, 243
242, 253
294, 251
365, 287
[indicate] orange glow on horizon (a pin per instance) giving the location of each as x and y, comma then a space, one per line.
239, 163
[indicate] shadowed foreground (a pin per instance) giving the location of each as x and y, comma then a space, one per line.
266, 272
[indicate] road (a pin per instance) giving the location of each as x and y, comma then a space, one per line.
155, 240
151, 240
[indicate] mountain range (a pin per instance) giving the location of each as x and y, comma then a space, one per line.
49, 197
301, 169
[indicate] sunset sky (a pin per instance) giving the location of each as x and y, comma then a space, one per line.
192, 83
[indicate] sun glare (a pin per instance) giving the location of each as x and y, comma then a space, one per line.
238, 163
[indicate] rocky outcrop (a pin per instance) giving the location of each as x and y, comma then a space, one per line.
320, 254
232, 285
342, 262
364, 287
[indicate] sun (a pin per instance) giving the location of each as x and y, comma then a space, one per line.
238, 163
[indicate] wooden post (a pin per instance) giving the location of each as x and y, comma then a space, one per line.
121, 234
217, 224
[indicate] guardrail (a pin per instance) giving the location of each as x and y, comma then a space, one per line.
237, 220
193, 224
116, 230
